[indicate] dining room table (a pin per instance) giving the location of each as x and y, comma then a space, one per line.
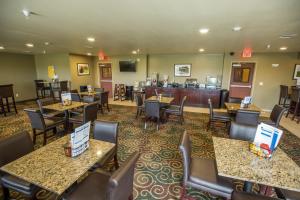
234, 107
92, 93
49, 168
65, 108
162, 99
234, 160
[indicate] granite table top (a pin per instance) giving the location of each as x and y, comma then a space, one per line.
49, 167
234, 160
60, 107
93, 93
233, 107
164, 100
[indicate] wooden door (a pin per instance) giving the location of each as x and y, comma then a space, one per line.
241, 79
106, 77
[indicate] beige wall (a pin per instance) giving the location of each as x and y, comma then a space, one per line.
202, 65
81, 80
266, 95
59, 60
18, 69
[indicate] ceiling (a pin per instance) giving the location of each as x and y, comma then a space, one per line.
153, 26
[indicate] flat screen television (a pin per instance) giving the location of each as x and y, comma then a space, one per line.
127, 66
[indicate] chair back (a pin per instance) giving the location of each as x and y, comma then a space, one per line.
64, 85
6, 91
75, 97
99, 89
139, 99
39, 84
104, 97
295, 96
211, 109
284, 91
14, 147
183, 100
234, 100
90, 112
44, 102
185, 148
74, 91
36, 119
276, 114
242, 132
83, 88
88, 99
106, 131
247, 117
120, 185
152, 108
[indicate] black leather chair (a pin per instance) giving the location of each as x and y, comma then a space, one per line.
47, 113
11, 149
276, 115
75, 97
103, 101
247, 117
242, 132
284, 95
39, 123
118, 186
89, 114
176, 110
140, 104
201, 173
152, 110
83, 88
217, 117
250, 196
287, 194
88, 99
108, 132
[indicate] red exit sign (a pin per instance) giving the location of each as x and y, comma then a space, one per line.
247, 53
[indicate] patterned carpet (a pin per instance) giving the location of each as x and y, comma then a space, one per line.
159, 170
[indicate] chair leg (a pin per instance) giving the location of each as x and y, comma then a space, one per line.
208, 125
157, 124
5, 193
7, 105
45, 138
14, 103
137, 113
33, 136
107, 107
101, 108
116, 161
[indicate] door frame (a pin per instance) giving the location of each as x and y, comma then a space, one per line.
98, 72
254, 74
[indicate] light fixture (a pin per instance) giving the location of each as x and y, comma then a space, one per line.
89, 54
29, 45
268, 46
204, 30
26, 12
2, 47
201, 50
91, 39
27, 51
237, 28
44, 52
283, 48
134, 52
287, 36
46, 43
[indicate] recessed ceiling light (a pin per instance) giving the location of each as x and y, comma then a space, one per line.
237, 28
204, 30
27, 51
134, 52
29, 45
26, 12
268, 46
201, 50
287, 36
91, 39
89, 47
44, 52
2, 47
89, 54
46, 43
283, 48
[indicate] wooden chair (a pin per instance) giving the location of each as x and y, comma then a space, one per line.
6, 92
116, 92
103, 101
217, 117
294, 107
283, 95
122, 92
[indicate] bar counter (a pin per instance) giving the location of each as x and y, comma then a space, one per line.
197, 97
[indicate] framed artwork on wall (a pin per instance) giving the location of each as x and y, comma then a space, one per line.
182, 70
83, 69
296, 72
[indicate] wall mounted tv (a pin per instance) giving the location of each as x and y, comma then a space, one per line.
127, 66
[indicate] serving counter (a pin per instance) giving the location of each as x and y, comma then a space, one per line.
197, 97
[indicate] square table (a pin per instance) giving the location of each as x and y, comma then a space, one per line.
164, 100
233, 107
49, 167
93, 93
234, 160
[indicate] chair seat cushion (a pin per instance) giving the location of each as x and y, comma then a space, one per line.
76, 118
173, 109
54, 114
53, 122
221, 116
12, 182
93, 188
249, 196
204, 173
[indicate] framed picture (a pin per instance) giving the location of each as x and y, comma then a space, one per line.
183, 70
296, 72
83, 69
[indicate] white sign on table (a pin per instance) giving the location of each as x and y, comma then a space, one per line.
80, 139
66, 97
